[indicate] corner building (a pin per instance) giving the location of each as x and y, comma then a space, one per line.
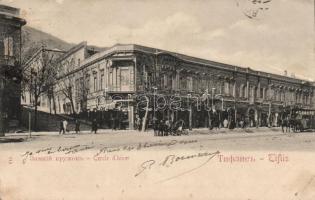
124, 79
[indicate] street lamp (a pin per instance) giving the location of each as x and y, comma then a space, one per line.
154, 94
190, 112
212, 92
220, 96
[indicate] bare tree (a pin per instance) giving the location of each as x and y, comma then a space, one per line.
83, 90
39, 75
66, 81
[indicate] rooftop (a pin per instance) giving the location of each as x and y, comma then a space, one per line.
11, 13
189, 59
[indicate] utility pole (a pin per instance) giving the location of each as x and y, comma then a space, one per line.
222, 108
30, 123
154, 95
212, 93
190, 112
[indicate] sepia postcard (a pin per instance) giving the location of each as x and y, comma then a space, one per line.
157, 99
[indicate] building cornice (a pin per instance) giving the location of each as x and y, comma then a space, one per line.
189, 59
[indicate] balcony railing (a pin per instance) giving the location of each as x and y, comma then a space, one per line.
7, 60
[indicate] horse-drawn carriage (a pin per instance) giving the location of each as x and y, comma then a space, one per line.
178, 128
298, 120
305, 119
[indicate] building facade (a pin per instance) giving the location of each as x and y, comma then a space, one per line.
126, 82
10, 66
35, 89
124, 77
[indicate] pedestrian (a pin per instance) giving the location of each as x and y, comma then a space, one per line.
65, 124
61, 129
94, 126
155, 126
225, 123
167, 127
77, 126
242, 123
215, 120
161, 128
112, 122
232, 124
118, 120
139, 123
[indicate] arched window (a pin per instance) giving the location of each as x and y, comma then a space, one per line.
240, 90
226, 88
255, 90
306, 99
8, 46
244, 91
261, 93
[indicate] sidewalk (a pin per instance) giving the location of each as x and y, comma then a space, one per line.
236, 130
196, 131
43, 133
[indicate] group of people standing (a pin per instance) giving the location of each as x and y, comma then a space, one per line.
162, 127
63, 126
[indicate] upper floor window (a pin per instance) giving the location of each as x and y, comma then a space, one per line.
102, 80
77, 86
8, 46
242, 90
226, 88
190, 83
183, 83
306, 99
195, 84
165, 82
275, 97
88, 82
95, 82
110, 78
255, 91
267, 93
261, 93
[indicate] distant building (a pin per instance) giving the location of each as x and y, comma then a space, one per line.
118, 81
10, 68
32, 67
69, 88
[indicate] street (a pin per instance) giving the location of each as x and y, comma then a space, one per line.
126, 164
223, 139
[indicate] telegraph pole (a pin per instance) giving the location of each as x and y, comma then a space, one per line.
190, 112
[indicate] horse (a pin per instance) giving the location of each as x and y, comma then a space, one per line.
285, 122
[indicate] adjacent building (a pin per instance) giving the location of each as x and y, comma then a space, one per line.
39, 75
10, 66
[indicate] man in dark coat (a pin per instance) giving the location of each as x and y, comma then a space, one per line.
161, 128
77, 126
61, 129
155, 126
94, 126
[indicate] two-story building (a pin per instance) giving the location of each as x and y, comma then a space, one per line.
70, 88
35, 79
126, 81
184, 87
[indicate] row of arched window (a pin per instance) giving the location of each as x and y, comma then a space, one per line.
231, 88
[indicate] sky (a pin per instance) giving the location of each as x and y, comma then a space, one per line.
279, 37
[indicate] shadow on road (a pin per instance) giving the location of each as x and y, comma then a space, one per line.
11, 140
